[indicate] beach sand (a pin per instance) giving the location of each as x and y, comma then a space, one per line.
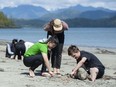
13, 73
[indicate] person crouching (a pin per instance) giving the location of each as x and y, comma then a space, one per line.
37, 55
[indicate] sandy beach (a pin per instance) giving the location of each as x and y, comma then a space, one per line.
13, 73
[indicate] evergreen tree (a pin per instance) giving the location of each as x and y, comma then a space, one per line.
5, 22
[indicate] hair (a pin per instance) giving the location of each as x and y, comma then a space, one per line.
72, 49
22, 41
53, 39
14, 41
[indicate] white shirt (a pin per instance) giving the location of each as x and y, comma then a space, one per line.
28, 45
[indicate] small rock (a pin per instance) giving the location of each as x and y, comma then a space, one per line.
1, 70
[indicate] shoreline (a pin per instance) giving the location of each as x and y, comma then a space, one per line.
4, 42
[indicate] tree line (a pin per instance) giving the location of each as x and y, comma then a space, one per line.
83, 22
6, 22
76, 22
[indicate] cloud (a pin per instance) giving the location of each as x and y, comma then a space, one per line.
57, 4
110, 4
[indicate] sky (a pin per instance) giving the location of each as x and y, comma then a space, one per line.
58, 4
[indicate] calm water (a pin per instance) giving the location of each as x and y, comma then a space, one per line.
101, 37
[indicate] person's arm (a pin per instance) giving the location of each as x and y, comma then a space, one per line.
47, 27
45, 57
65, 25
81, 62
43, 69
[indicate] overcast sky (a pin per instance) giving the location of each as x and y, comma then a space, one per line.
56, 4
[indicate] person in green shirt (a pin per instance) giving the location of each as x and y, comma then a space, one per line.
37, 55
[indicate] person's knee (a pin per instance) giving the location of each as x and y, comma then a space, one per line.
94, 70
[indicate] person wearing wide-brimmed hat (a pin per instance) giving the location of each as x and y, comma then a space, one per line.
56, 28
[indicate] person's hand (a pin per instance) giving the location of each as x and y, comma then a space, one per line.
51, 73
73, 74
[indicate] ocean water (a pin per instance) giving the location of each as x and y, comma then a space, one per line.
98, 37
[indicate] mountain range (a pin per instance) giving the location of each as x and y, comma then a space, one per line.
75, 16
24, 12
37, 12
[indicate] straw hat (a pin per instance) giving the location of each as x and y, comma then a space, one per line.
57, 26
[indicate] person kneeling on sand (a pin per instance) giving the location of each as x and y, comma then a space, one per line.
20, 48
92, 64
37, 55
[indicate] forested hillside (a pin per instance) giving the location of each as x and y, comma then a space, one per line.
5, 22
83, 22
76, 22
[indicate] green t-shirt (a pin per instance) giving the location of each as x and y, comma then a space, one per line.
37, 48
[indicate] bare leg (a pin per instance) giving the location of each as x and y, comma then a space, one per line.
54, 70
31, 73
57, 70
93, 74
